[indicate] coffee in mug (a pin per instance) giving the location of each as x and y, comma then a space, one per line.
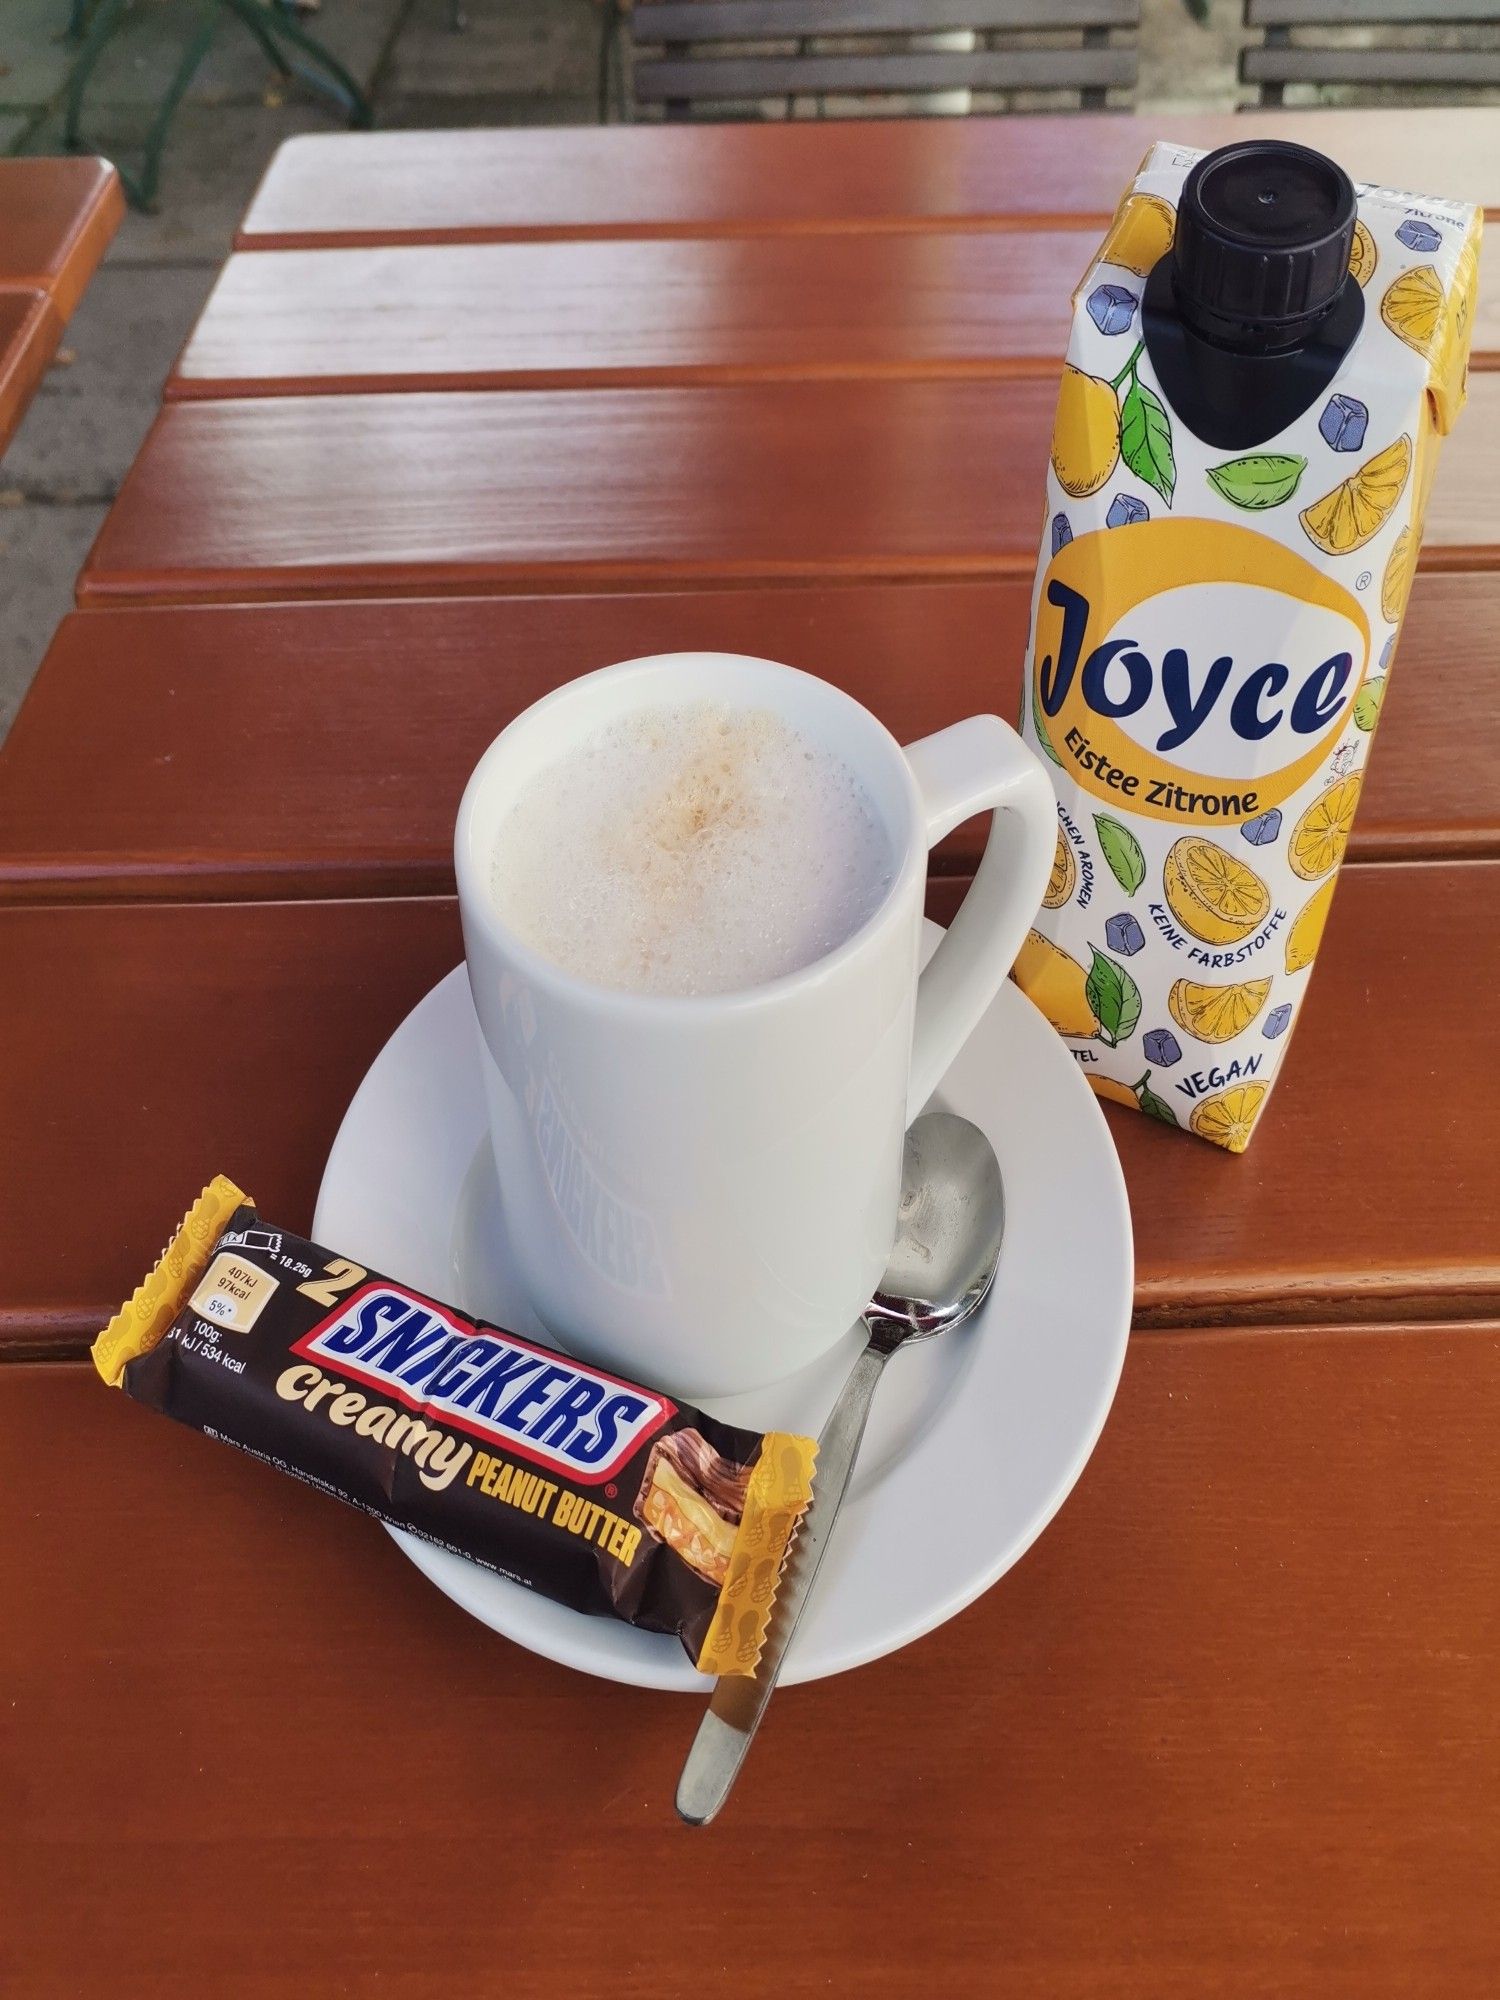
691, 850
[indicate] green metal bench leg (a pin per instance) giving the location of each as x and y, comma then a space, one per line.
142, 188
156, 138
264, 35
328, 74
107, 17
322, 70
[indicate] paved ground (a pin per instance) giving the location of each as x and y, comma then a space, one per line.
524, 62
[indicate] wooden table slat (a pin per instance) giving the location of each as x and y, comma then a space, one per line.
1228, 1728
59, 216
149, 1046
30, 329
1013, 172
534, 315
545, 315
196, 738
338, 496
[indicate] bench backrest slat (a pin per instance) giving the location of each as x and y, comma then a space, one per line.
1304, 65
749, 77
787, 20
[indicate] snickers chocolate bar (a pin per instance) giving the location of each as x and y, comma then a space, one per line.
612, 1498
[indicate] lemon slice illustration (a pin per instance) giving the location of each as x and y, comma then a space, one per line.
1306, 934
1217, 1013
1086, 435
1140, 234
1056, 984
1397, 579
1229, 1118
1211, 893
1412, 306
1064, 874
1362, 255
1347, 517
1321, 835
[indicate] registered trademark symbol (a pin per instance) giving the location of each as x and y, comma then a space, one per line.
1362, 581
611, 1491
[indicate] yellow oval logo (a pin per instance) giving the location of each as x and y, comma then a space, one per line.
1193, 671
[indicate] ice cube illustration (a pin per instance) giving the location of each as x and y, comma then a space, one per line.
1123, 934
1124, 510
1162, 1048
1062, 533
1111, 307
1343, 423
1264, 828
1419, 235
1276, 1021
1341, 763
1387, 649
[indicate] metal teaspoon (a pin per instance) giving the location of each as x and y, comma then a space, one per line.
948, 1232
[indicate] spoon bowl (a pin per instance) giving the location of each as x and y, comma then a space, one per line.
948, 1230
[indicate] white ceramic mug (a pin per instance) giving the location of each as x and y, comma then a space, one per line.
701, 1190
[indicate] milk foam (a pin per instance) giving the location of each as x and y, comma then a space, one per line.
698, 849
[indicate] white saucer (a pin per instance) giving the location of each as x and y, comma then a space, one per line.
975, 1440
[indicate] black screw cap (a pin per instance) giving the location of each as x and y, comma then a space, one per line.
1261, 251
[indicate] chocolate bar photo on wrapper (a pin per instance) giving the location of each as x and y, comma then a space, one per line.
607, 1496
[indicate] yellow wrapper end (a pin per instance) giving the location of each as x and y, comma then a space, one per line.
780, 1488
157, 1300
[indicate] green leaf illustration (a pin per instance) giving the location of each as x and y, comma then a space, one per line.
1264, 479
1122, 851
1114, 997
1146, 439
1367, 707
1040, 726
1151, 1104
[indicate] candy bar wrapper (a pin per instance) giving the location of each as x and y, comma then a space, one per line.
609, 1497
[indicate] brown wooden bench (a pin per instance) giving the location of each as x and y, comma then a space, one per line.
711, 55
1468, 54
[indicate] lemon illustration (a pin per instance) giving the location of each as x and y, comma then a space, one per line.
1321, 835
1086, 436
1347, 517
1216, 1013
1141, 233
1229, 1118
1362, 257
1412, 306
1397, 579
1056, 984
1064, 874
1117, 1093
1211, 893
1306, 934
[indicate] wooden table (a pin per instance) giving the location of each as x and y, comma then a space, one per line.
56, 221
467, 414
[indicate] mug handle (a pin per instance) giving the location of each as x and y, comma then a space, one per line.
974, 767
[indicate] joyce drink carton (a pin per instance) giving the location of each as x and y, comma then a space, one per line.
1263, 359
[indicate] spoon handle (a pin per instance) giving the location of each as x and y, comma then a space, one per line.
739, 1700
